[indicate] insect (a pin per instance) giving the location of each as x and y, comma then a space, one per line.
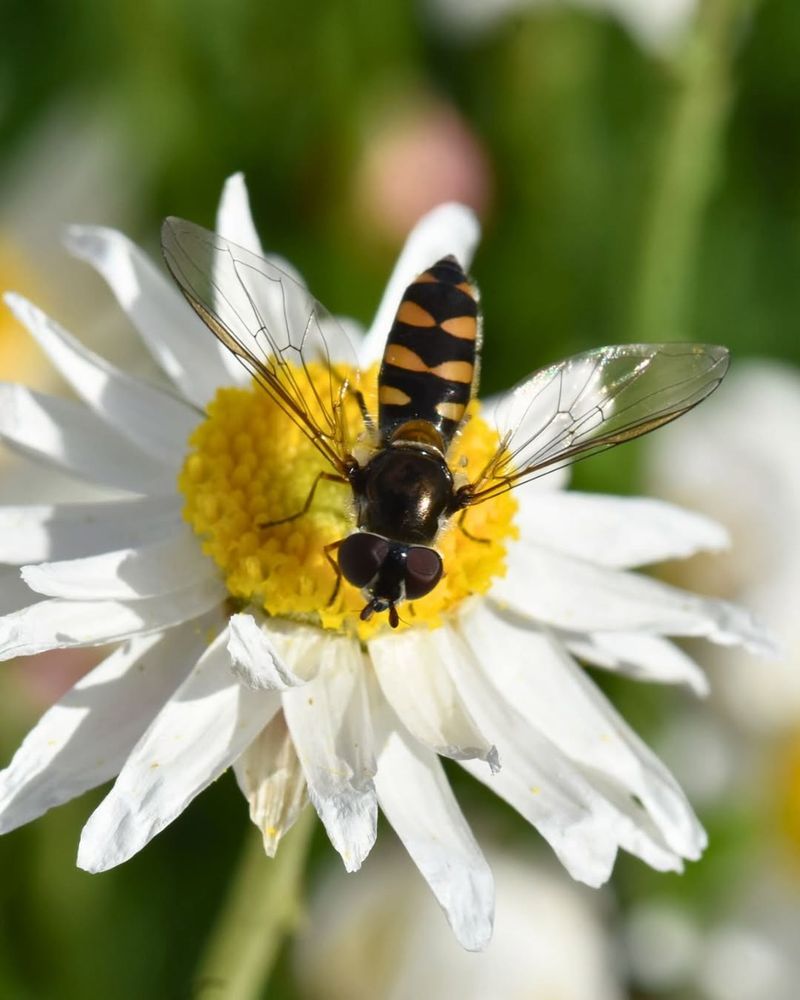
403, 488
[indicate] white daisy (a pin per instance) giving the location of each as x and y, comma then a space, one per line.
355, 720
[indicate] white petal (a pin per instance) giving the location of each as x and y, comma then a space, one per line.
540, 782
14, 592
584, 839
330, 725
534, 673
271, 779
644, 657
65, 531
416, 798
637, 832
353, 336
84, 738
234, 220
412, 670
67, 435
127, 574
199, 733
558, 479
575, 595
536, 416
57, 624
274, 655
619, 532
235, 223
188, 352
154, 420
449, 229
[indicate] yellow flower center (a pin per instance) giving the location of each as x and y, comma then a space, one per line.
250, 465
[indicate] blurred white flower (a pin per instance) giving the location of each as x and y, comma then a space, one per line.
735, 460
68, 168
748, 961
656, 24
663, 945
381, 939
706, 754
357, 720
68, 165
749, 953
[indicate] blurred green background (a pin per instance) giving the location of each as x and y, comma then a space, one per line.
627, 192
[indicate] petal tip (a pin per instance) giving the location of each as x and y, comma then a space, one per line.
351, 821
78, 238
34, 577
756, 637
236, 179
15, 302
699, 685
89, 860
255, 661
92, 243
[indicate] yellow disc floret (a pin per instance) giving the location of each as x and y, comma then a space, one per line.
250, 465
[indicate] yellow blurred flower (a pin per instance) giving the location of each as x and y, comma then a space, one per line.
21, 359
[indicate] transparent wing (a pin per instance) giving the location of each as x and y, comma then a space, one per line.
593, 401
273, 325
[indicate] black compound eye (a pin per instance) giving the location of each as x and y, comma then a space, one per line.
423, 571
361, 556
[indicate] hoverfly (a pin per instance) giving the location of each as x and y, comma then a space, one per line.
403, 488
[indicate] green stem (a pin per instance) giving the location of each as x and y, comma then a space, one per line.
686, 172
263, 906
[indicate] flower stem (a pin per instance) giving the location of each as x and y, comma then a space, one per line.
263, 906
688, 166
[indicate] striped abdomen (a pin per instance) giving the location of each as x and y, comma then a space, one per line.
430, 364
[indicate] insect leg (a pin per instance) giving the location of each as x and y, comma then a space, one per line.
468, 534
336, 568
366, 416
358, 396
328, 476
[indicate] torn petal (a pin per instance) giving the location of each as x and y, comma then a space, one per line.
271, 779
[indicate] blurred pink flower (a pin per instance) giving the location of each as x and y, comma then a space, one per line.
415, 158
44, 678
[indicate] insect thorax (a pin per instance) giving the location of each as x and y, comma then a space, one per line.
406, 492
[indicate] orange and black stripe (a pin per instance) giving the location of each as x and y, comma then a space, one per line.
430, 363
